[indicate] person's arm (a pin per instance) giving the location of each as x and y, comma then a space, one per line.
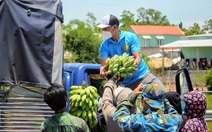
108, 107
137, 58
122, 114
108, 103
104, 56
136, 49
123, 117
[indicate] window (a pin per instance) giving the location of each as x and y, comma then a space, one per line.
160, 40
146, 40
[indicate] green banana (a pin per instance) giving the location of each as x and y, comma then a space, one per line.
94, 88
115, 70
95, 121
77, 104
82, 92
90, 104
87, 109
84, 113
72, 104
75, 113
73, 87
87, 100
109, 72
73, 109
125, 60
107, 62
94, 114
79, 98
127, 64
86, 119
124, 75
87, 90
80, 103
130, 69
96, 102
84, 98
91, 96
122, 69
89, 114
129, 74
73, 92
115, 65
74, 97
92, 91
84, 105
79, 112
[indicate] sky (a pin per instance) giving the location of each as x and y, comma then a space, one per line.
186, 11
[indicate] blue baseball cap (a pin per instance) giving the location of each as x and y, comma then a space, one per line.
153, 95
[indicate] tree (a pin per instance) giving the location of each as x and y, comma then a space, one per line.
81, 42
151, 17
91, 20
194, 30
208, 26
127, 19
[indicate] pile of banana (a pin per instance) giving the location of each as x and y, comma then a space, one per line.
120, 66
84, 103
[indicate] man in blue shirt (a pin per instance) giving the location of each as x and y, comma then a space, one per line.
117, 42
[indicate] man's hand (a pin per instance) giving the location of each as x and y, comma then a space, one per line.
102, 72
138, 89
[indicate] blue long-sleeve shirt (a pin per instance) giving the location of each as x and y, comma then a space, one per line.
147, 121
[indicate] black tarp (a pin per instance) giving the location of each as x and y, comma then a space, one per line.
30, 42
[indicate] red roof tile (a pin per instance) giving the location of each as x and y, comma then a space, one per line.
157, 30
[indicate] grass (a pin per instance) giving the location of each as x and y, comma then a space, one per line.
209, 126
209, 101
209, 107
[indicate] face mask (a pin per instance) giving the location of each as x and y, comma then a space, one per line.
107, 34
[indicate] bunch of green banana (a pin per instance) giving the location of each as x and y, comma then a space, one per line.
120, 66
84, 103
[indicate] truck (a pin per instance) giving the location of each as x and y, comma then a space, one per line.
31, 59
23, 109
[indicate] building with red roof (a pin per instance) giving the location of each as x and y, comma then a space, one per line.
152, 37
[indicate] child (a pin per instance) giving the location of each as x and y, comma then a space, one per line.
56, 96
195, 108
